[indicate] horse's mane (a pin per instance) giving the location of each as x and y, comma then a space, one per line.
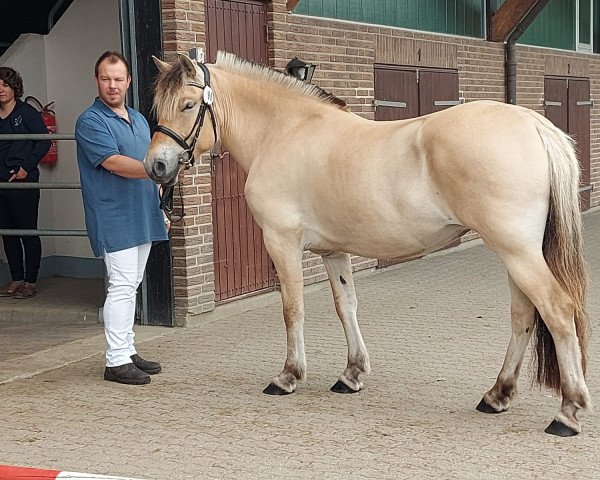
170, 82
233, 63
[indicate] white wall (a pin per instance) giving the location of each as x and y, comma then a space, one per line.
59, 67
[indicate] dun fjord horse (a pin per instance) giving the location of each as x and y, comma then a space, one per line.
320, 178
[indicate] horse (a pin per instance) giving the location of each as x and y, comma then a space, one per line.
323, 179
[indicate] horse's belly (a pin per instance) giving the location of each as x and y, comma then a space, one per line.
385, 243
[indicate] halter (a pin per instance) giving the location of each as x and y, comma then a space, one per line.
186, 157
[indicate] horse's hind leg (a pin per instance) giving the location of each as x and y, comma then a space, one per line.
339, 270
522, 313
533, 276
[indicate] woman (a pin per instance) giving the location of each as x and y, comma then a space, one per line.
19, 163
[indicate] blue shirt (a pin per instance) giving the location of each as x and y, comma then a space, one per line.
120, 212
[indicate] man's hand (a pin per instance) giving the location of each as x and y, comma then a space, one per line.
19, 175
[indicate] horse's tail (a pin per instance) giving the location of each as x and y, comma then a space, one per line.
563, 249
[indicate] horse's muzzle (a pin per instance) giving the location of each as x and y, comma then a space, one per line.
159, 172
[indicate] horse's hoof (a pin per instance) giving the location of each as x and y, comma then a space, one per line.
485, 407
273, 389
560, 429
341, 387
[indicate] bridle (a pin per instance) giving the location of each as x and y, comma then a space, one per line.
186, 157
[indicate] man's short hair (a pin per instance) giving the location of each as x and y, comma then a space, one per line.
112, 57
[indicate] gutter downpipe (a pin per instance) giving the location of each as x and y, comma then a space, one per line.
510, 64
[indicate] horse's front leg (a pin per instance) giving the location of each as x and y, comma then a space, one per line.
339, 270
286, 254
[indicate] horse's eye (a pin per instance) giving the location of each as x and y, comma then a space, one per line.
189, 105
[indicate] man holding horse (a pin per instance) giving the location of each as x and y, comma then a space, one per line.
122, 210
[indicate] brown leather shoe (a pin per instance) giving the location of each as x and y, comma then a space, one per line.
10, 289
128, 374
146, 365
27, 290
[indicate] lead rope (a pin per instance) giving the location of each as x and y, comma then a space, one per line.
166, 203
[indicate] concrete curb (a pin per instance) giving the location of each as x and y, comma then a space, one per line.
8, 472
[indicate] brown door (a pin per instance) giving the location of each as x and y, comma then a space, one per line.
579, 129
438, 90
567, 104
405, 92
241, 262
556, 102
396, 93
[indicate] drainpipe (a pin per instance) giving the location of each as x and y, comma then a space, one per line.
510, 62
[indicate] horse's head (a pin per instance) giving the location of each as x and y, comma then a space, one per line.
182, 99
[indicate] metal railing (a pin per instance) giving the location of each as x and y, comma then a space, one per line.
67, 186
40, 186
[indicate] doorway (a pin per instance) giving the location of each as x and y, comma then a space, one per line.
406, 92
568, 105
241, 262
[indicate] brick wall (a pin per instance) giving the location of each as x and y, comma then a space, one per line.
183, 26
193, 271
345, 53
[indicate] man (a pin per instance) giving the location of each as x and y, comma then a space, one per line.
122, 212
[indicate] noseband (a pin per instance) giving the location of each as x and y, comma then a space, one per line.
186, 157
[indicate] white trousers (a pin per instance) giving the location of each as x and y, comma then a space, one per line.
125, 272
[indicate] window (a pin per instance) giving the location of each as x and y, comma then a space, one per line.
585, 25
596, 17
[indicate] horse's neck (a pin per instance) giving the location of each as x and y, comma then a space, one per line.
248, 116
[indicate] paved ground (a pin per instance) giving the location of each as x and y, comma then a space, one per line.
437, 331
64, 310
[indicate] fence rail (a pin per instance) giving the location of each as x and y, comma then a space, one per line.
40, 186
37, 136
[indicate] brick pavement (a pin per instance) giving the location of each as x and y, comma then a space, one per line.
437, 330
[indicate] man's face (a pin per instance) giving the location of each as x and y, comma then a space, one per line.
7, 94
113, 83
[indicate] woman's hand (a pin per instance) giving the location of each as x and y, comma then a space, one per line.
19, 175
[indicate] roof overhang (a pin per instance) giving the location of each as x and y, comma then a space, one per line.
511, 15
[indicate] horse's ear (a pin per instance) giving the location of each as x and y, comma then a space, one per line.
188, 65
162, 66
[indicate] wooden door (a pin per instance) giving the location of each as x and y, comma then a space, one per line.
567, 105
242, 265
556, 102
396, 98
579, 128
396, 93
438, 90
408, 92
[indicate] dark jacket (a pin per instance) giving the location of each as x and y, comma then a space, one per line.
22, 153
